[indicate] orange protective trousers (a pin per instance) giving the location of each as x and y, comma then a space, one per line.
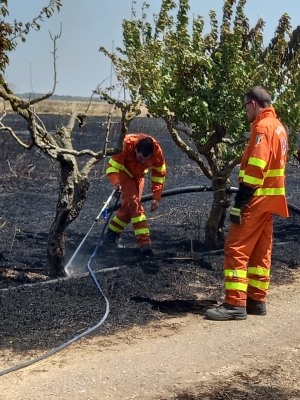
131, 209
247, 259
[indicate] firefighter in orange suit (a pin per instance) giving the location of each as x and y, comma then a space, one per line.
261, 193
126, 172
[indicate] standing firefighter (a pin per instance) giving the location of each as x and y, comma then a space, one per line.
126, 172
261, 193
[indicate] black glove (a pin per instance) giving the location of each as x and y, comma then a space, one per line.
243, 195
118, 191
236, 215
241, 199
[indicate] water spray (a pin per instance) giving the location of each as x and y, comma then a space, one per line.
103, 212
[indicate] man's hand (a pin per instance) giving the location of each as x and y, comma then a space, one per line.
236, 215
154, 205
118, 190
242, 198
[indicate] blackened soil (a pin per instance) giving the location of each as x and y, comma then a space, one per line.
39, 313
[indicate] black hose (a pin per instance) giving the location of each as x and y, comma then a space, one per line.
171, 192
192, 189
294, 208
110, 211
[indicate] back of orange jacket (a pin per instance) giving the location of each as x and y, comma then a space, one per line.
263, 163
126, 161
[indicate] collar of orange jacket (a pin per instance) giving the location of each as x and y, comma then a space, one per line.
265, 112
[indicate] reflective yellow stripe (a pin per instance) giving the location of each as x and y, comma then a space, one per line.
145, 171
115, 164
138, 219
257, 162
235, 211
271, 173
237, 273
269, 192
236, 286
252, 180
258, 284
141, 231
127, 172
113, 228
109, 170
119, 222
258, 271
157, 179
160, 169
274, 173
120, 167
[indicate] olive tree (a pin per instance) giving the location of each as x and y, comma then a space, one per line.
196, 82
74, 181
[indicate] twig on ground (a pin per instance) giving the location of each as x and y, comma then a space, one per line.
13, 239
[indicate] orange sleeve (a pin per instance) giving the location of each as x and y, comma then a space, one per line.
158, 174
115, 164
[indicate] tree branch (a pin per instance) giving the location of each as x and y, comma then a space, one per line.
186, 149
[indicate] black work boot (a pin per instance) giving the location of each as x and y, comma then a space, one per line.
256, 307
110, 239
146, 250
226, 312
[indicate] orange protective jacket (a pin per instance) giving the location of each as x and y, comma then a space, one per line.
126, 161
263, 163
248, 246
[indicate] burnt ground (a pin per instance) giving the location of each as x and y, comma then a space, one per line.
38, 314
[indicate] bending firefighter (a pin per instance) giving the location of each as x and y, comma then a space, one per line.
126, 172
261, 194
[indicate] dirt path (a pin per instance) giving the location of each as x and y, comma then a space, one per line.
181, 358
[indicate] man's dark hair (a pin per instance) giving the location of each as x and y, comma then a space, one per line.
145, 146
261, 95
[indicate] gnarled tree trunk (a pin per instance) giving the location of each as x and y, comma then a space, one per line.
214, 232
72, 196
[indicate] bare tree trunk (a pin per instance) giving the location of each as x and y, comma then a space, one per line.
214, 232
296, 155
73, 193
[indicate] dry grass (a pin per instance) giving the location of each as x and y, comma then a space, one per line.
66, 107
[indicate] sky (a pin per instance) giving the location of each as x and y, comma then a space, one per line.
89, 24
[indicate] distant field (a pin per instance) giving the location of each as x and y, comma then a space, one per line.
66, 107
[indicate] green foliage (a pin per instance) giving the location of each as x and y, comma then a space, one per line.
10, 33
6, 31
201, 79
